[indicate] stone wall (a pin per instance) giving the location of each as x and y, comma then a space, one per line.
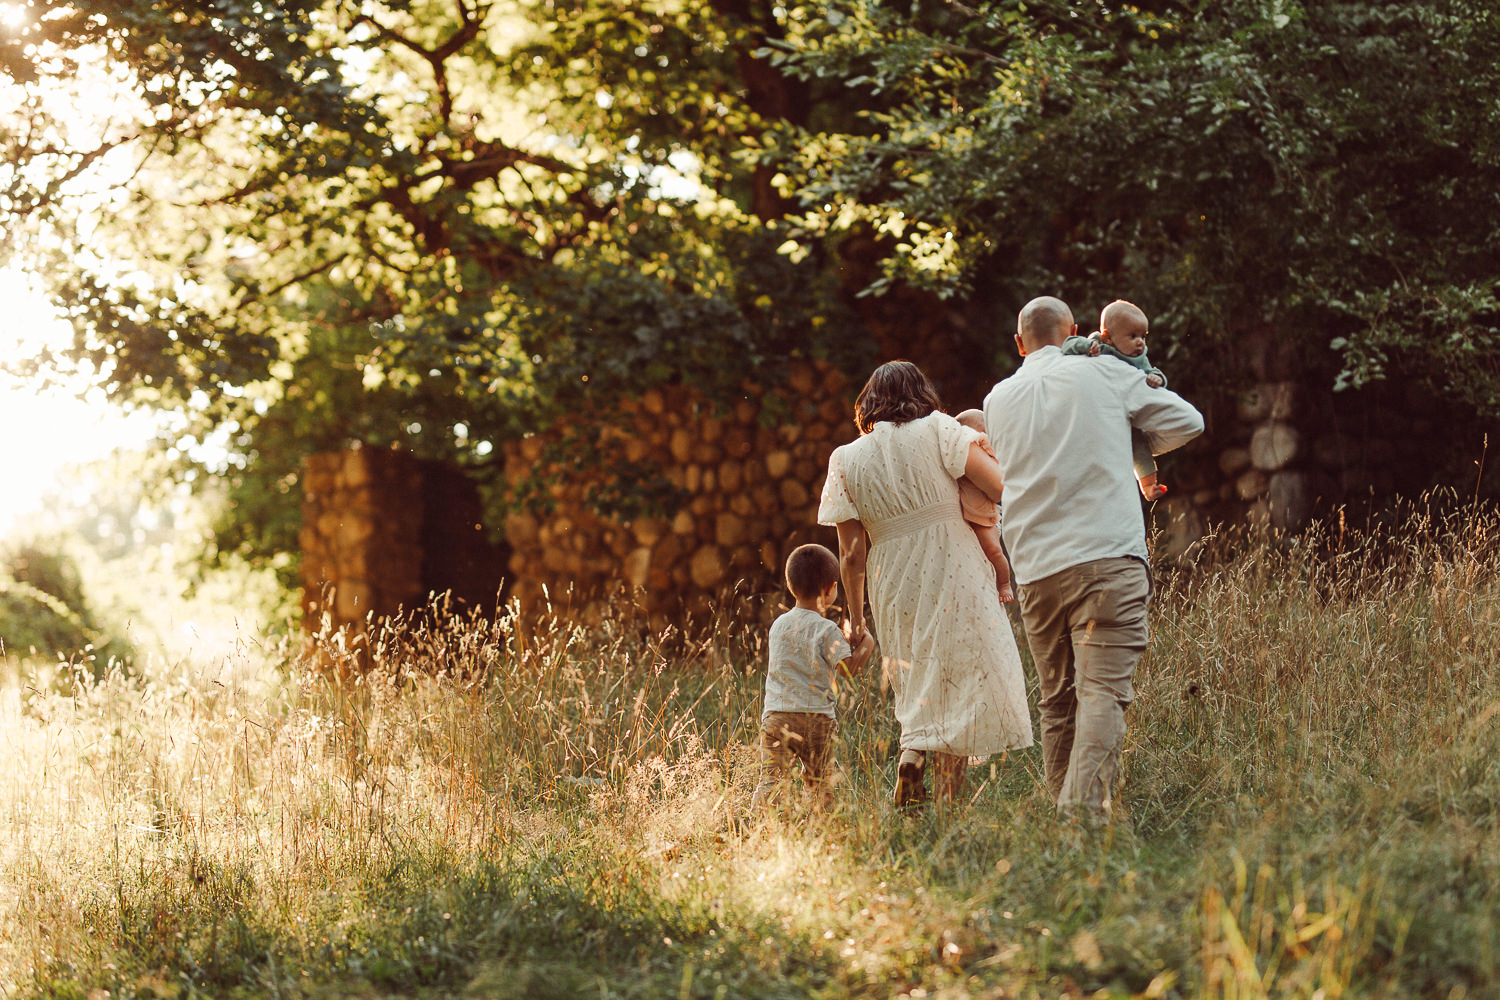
1251, 464
750, 475
1279, 453
747, 474
737, 484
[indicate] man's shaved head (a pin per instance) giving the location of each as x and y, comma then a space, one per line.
1122, 317
1044, 321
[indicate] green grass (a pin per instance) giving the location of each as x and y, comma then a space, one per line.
528, 808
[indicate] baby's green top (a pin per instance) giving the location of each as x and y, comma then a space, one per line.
1085, 345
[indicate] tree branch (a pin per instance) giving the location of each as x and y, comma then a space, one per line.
257, 295
471, 23
489, 159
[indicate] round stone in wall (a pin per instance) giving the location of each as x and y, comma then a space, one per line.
1233, 461
707, 567
729, 530
680, 444
1274, 446
1266, 401
1250, 485
636, 566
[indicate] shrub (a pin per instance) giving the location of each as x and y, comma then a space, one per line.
44, 611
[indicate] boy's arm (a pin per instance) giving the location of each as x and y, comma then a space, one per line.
855, 662
1140, 361
1155, 377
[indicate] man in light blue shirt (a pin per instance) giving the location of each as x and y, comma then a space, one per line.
1072, 522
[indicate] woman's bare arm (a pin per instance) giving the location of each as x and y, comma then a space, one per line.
983, 471
852, 556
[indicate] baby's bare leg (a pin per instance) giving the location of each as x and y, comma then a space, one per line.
989, 541
1145, 467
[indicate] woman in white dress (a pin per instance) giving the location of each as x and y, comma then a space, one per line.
945, 641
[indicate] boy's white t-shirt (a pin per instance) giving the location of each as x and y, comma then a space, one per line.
805, 652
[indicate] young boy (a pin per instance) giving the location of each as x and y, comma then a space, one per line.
1122, 334
807, 651
983, 515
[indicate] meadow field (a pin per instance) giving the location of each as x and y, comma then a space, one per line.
530, 808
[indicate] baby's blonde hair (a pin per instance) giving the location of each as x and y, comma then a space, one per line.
1118, 311
972, 419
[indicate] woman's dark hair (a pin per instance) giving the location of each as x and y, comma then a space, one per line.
897, 391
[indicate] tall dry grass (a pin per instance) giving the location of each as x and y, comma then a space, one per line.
530, 807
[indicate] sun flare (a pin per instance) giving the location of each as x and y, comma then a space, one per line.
48, 429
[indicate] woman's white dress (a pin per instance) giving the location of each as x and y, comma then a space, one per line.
945, 641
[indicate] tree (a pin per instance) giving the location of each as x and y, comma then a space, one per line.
436, 223
1326, 171
425, 222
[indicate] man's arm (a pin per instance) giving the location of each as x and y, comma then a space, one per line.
1168, 420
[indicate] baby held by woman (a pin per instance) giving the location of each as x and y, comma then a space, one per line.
983, 514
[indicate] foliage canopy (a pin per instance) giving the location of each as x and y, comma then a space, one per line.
426, 223
1327, 171
439, 222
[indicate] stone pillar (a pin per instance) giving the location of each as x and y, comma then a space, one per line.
361, 535
381, 530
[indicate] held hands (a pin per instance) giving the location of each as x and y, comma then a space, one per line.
855, 631
861, 645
